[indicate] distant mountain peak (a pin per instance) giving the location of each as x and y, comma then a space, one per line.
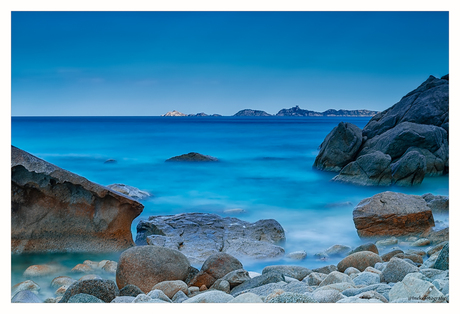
174, 113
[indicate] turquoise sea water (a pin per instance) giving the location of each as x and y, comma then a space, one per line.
264, 168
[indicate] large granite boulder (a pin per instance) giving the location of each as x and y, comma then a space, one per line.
339, 147
370, 169
400, 145
359, 260
145, 266
199, 235
392, 214
54, 210
428, 104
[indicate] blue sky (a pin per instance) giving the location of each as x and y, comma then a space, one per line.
148, 63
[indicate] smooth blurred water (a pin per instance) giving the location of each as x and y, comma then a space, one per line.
264, 168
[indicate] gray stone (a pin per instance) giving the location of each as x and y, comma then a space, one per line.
261, 280
297, 255
421, 242
123, 299
142, 298
338, 250
437, 248
199, 235
431, 272
387, 256
397, 269
106, 290
339, 147
25, 296
264, 290
413, 288
247, 298
325, 269
437, 203
84, 298
409, 170
297, 272
392, 214
356, 299
442, 262
129, 190
434, 165
368, 170
351, 270
366, 278
170, 287
387, 242
297, 287
327, 296
61, 281
222, 285
335, 277
372, 294
340, 286
213, 296
179, 297
130, 291
290, 297
236, 277
366, 247
381, 288
26, 285
158, 294
314, 279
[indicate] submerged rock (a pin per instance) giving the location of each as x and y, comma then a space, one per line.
193, 157
54, 210
199, 235
391, 213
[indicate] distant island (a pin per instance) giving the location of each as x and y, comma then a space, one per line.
175, 113
291, 112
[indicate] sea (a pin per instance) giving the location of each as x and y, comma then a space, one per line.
264, 171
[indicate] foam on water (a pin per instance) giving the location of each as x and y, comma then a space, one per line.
265, 168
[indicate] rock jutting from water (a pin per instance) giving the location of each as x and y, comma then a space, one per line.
54, 210
131, 191
199, 235
400, 145
192, 157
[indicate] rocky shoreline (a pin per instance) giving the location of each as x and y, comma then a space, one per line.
379, 272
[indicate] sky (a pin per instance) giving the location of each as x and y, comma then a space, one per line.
149, 63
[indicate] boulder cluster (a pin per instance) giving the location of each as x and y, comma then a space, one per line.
151, 274
400, 145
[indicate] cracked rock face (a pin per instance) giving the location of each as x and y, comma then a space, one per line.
392, 214
54, 210
199, 235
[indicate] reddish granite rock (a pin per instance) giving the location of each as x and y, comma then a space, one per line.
392, 214
215, 267
145, 266
54, 210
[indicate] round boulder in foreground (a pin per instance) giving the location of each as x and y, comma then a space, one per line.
359, 260
145, 266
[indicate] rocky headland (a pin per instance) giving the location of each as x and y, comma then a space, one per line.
400, 145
